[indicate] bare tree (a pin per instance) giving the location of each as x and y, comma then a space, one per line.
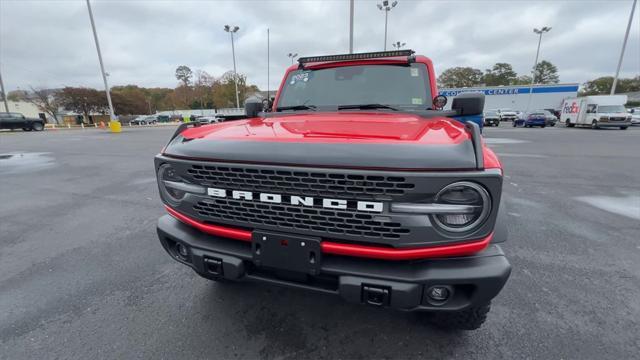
45, 100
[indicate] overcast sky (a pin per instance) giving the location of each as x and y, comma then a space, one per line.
49, 43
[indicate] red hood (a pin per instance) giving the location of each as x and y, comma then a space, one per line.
334, 127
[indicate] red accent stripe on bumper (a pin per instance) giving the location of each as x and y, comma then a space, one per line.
370, 252
237, 234
375, 252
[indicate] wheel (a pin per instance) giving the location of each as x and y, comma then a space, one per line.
37, 126
623, 127
568, 123
469, 319
543, 126
552, 124
25, 129
514, 124
594, 124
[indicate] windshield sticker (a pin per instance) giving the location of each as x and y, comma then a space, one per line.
304, 77
416, 101
414, 72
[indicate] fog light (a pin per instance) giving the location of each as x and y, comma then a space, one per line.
182, 251
439, 293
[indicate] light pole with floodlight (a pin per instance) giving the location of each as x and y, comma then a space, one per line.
386, 7
398, 45
535, 64
232, 30
292, 56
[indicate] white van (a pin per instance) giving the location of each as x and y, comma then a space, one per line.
596, 111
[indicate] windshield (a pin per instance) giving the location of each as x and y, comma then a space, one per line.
490, 113
404, 87
611, 109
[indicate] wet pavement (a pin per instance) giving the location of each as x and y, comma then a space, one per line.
82, 274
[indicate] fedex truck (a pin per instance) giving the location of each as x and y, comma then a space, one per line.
596, 111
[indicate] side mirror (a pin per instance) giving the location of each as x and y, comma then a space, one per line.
468, 104
439, 102
252, 106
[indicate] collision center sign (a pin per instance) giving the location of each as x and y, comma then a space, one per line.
516, 90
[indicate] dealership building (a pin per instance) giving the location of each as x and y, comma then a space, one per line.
516, 97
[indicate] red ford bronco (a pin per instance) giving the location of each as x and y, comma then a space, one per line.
354, 183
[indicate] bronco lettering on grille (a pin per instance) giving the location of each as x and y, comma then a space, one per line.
370, 206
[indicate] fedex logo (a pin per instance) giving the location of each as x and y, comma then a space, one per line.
570, 109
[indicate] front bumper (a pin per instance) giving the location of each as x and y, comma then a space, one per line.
472, 280
614, 124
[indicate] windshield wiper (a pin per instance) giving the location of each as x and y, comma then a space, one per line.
367, 106
296, 107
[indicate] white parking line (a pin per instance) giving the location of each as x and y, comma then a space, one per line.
628, 206
522, 155
504, 141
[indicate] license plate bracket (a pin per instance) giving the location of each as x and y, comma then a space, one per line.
286, 251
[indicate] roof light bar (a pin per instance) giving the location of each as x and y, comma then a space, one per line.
360, 56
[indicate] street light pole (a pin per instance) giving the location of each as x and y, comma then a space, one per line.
104, 75
386, 8
624, 45
535, 64
292, 56
232, 31
4, 95
351, 26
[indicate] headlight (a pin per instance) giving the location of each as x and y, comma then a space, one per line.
465, 193
166, 176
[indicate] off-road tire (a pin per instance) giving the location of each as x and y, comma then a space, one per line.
469, 319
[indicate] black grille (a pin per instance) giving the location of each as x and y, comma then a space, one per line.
352, 186
321, 220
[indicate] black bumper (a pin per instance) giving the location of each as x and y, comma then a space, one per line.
403, 285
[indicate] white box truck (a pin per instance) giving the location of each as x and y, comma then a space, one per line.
596, 111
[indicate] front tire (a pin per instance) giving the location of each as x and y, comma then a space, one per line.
469, 319
594, 124
623, 127
25, 129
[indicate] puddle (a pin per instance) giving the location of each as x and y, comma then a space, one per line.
20, 163
536, 156
628, 206
503, 141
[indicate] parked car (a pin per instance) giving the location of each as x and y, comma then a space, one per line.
209, 119
531, 119
507, 114
144, 120
555, 112
551, 119
12, 120
163, 118
635, 116
491, 118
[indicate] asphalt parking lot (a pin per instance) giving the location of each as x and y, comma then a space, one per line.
82, 274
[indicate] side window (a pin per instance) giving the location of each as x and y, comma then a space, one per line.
591, 108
